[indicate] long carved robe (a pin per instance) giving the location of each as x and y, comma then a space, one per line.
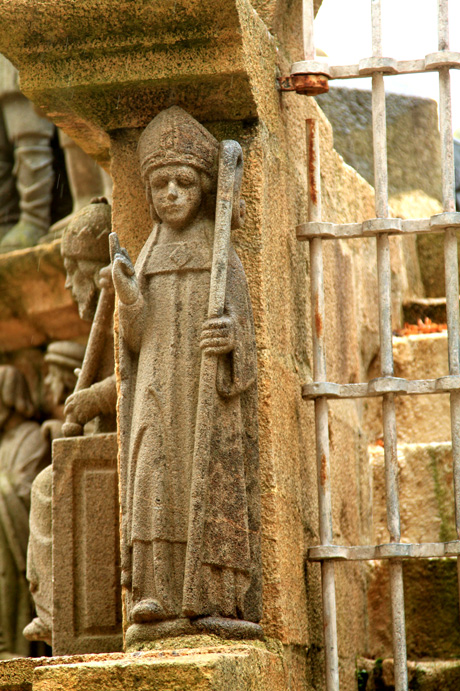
160, 361
23, 453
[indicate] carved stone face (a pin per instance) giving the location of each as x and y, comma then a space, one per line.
59, 381
81, 275
176, 194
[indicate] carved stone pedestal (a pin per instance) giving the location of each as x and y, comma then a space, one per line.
86, 564
213, 667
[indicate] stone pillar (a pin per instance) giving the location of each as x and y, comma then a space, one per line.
102, 72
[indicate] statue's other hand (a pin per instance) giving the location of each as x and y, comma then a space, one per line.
82, 406
105, 278
218, 336
124, 278
51, 430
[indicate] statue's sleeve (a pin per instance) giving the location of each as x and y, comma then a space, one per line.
106, 394
238, 369
131, 320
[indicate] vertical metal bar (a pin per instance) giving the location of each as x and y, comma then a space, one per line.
386, 355
450, 250
321, 412
308, 17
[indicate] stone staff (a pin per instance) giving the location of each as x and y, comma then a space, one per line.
94, 349
230, 166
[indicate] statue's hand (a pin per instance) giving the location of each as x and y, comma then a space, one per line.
123, 273
82, 406
105, 278
218, 336
124, 278
51, 430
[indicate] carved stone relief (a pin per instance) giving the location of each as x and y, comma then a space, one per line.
188, 407
62, 358
26, 166
27, 177
85, 250
23, 454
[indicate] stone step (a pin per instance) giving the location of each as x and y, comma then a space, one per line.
378, 675
430, 585
418, 418
426, 493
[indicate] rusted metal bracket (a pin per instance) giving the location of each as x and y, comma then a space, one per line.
304, 84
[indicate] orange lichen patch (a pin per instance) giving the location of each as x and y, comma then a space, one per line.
421, 327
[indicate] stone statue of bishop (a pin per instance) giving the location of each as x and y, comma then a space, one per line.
190, 521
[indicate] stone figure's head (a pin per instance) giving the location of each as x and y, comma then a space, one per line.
178, 159
85, 250
62, 358
15, 399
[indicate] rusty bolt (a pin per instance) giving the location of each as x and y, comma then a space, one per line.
310, 84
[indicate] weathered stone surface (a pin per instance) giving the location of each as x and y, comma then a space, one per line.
414, 154
18, 674
419, 419
35, 308
86, 565
236, 668
427, 515
214, 666
430, 246
431, 606
425, 490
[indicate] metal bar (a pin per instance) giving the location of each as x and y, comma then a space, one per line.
392, 550
308, 17
386, 355
450, 251
380, 386
321, 411
389, 66
374, 227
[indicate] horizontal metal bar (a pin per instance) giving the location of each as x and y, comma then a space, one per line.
392, 550
376, 226
388, 66
380, 386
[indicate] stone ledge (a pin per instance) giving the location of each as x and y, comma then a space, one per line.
239, 667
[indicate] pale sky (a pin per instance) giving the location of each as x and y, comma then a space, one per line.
409, 30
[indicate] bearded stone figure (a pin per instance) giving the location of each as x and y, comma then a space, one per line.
190, 511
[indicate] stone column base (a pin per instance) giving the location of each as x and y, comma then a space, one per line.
231, 667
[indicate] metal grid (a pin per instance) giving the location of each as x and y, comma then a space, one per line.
387, 385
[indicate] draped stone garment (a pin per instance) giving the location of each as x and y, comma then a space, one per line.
160, 362
23, 453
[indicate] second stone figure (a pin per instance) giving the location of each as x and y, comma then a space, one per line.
188, 407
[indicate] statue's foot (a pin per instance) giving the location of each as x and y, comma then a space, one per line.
148, 610
23, 234
37, 630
